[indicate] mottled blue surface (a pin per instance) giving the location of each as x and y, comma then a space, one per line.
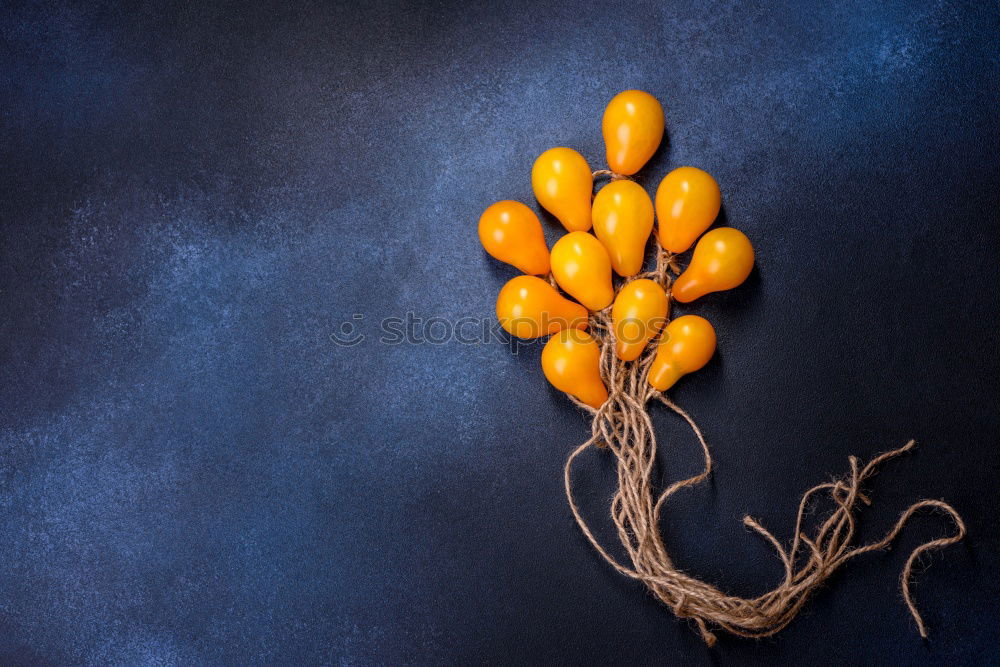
194, 198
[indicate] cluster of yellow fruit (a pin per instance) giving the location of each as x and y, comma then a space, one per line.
622, 215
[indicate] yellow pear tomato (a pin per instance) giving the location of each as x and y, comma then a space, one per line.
564, 186
571, 361
687, 203
623, 219
686, 345
581, 266
633, 128
529, 307
511, 232
722, 260
640, 311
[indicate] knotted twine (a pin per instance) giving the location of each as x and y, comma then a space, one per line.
623, 427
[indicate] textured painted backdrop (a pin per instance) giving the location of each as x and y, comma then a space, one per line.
194, 198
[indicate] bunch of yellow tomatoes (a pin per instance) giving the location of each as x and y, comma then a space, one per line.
622, 217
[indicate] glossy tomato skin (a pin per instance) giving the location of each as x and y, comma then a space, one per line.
633, 129
529, 307
581, 266
687, 203
512, 233
722, 260
623, 219
564, 186
637, 316
571, 361
687, 344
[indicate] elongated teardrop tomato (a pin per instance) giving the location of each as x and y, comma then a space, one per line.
633, 128
564, 185
687, 203
685, 346
511, 232
722, 260
529, 307
581, 266
571, 361
623, 219
640, 311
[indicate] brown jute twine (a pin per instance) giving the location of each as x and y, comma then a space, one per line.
623, 427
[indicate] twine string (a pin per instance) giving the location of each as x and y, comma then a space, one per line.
623, 427
613, 175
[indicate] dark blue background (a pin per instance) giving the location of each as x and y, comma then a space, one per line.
194, 198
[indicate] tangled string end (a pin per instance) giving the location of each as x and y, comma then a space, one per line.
622, 427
